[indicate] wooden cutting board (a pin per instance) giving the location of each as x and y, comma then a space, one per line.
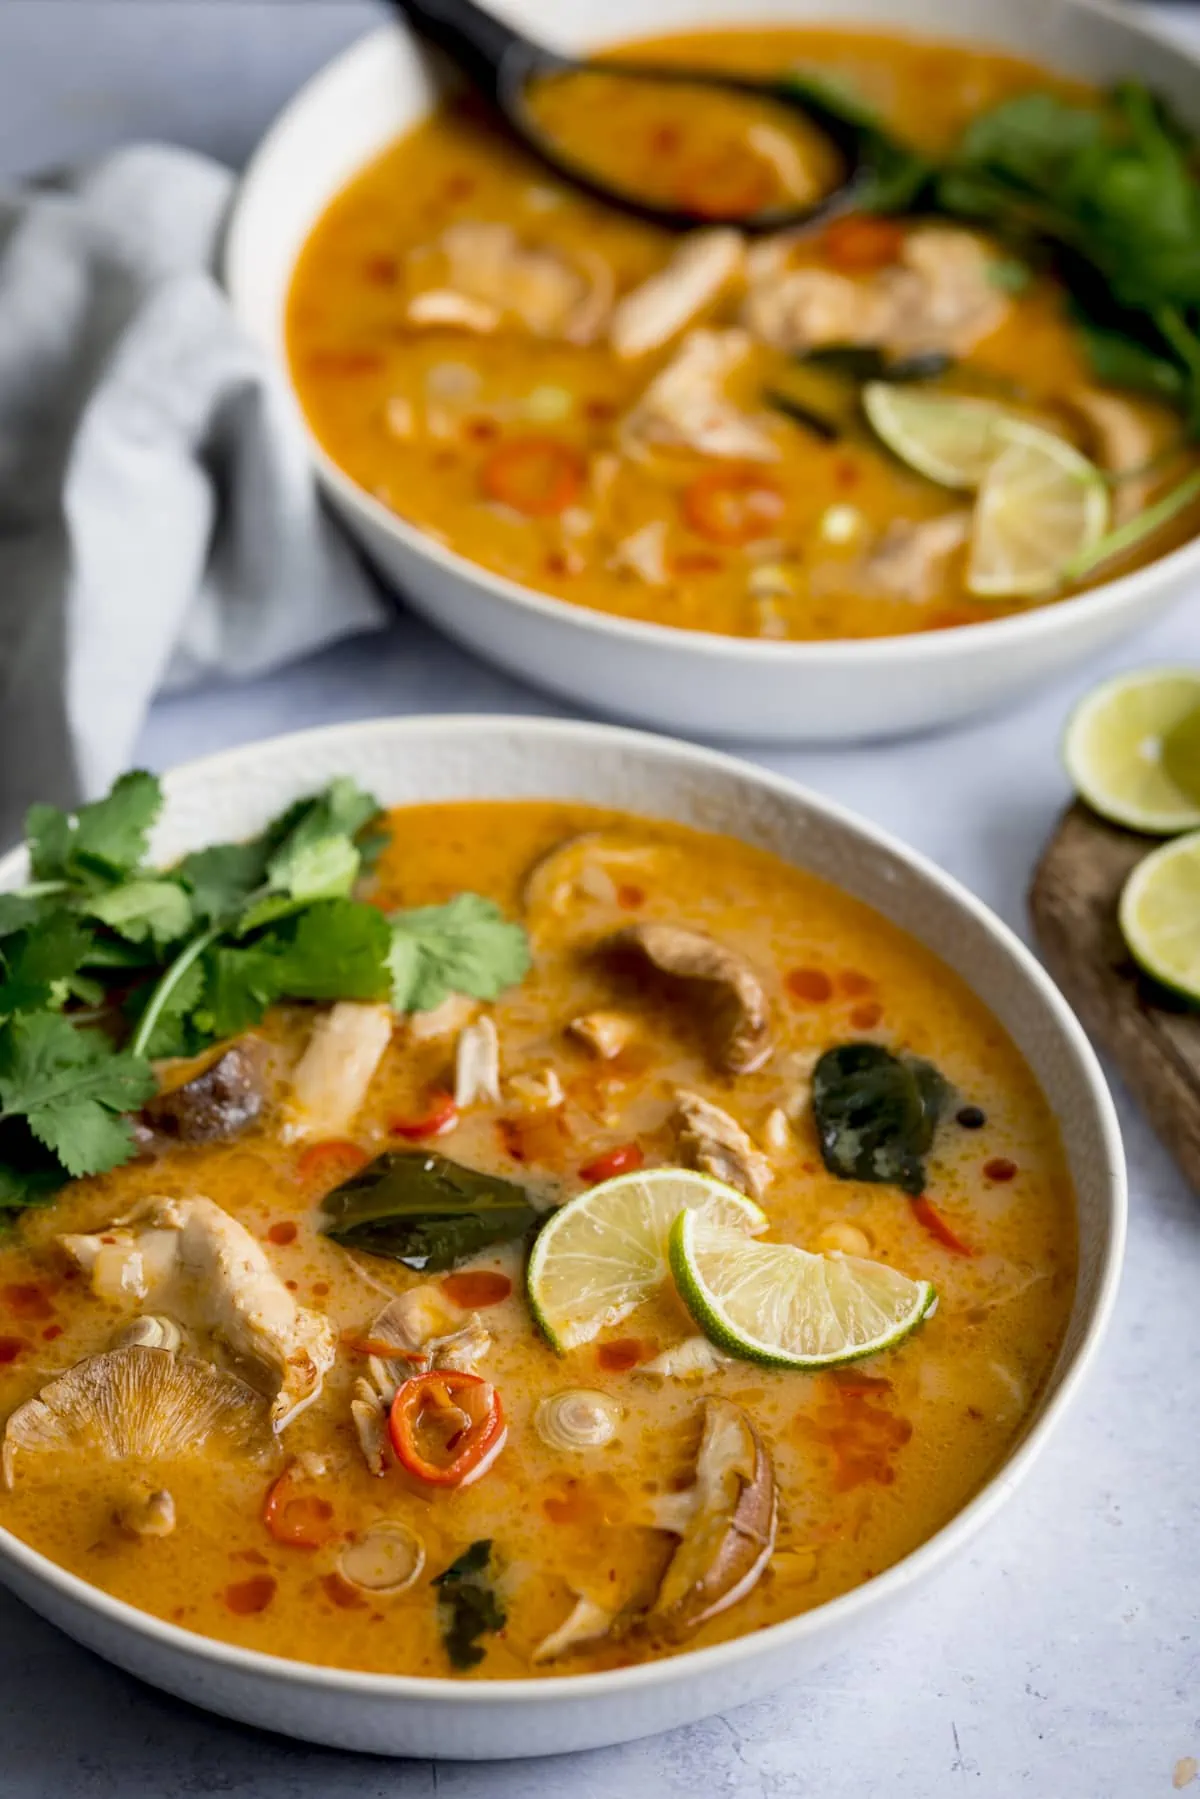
1156, 1045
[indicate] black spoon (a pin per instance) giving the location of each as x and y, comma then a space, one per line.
503, 64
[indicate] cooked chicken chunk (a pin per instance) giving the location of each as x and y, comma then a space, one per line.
477, 1064
686, 404
938, 296
330, 1081
201, 1266
705, 263
713, 1142
908, 559
427, 1330
606, 1034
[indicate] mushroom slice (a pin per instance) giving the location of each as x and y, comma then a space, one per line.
148, 1513
136, 1404
218, 1102
701, 268
587, 1622
330, 1081
384, 1559
211, 1274
477, 1064
716, 1144
726, 1522
427, 1330
741, 1010
368, 1414
150, 1331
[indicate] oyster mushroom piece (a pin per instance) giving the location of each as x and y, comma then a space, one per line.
368, 1414
726, 1522
205, 1269
330, 1081
713, 1142
586, 1623
148, 1513
384, 1559
741, 1011
136, 1404
149, 1332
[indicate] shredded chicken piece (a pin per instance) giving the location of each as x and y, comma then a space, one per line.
369, 1416
442, 306
713, 1142
452, 1015
703, 266
491, 276
540, 1092
644, 554
330, 1081
606, 1034
939, 296
203, 1267
477, 1065
686, 406
690, 1360
908, 558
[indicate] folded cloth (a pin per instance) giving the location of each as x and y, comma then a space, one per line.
159, 523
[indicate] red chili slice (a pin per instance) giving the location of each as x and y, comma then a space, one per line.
447, 1427
440, 1117
734, 504
928, 1215
330, 1162
297, 1519
623, 1160
538, 476
861, 243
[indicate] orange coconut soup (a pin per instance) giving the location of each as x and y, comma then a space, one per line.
665, 425
624, 1497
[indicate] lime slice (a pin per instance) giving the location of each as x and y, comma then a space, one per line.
1160, 915
605, 1251
782, 1306
1116, 750
1041, 504
947, 437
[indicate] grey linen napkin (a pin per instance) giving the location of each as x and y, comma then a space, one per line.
159, 524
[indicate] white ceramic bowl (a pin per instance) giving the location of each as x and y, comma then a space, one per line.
689, 681
439, 758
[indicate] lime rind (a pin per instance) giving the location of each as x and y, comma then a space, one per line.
834, 1305
1159, 915
1113, 749
600, 1256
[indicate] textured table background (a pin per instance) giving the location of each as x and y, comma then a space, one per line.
1062, 1659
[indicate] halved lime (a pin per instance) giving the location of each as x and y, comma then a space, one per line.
785, 1307
605, 1251
948, 437
1116, 751
1160, 915
1040, 504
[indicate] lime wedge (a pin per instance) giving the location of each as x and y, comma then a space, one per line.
1160, 915
786, 1308
1129, 742
605, 1251
948, 437
1040, 505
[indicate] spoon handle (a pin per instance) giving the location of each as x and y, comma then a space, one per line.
476, 41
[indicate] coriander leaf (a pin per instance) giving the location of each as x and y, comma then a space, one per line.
37, 963
336, 949
18, 910
157, 911
28, 1176
1121, 359
221, 879
67, 1084
174, 1032
103, 841
466, 946
316, 868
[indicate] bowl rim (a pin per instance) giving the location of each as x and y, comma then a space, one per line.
873, 1594
1027, 627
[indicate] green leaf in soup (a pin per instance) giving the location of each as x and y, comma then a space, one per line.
876, 1114
468, 1606
466, 946
419, 1208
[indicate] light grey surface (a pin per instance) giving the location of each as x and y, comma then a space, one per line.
1063, 1659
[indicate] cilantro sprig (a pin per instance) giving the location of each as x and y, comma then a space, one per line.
107, 962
